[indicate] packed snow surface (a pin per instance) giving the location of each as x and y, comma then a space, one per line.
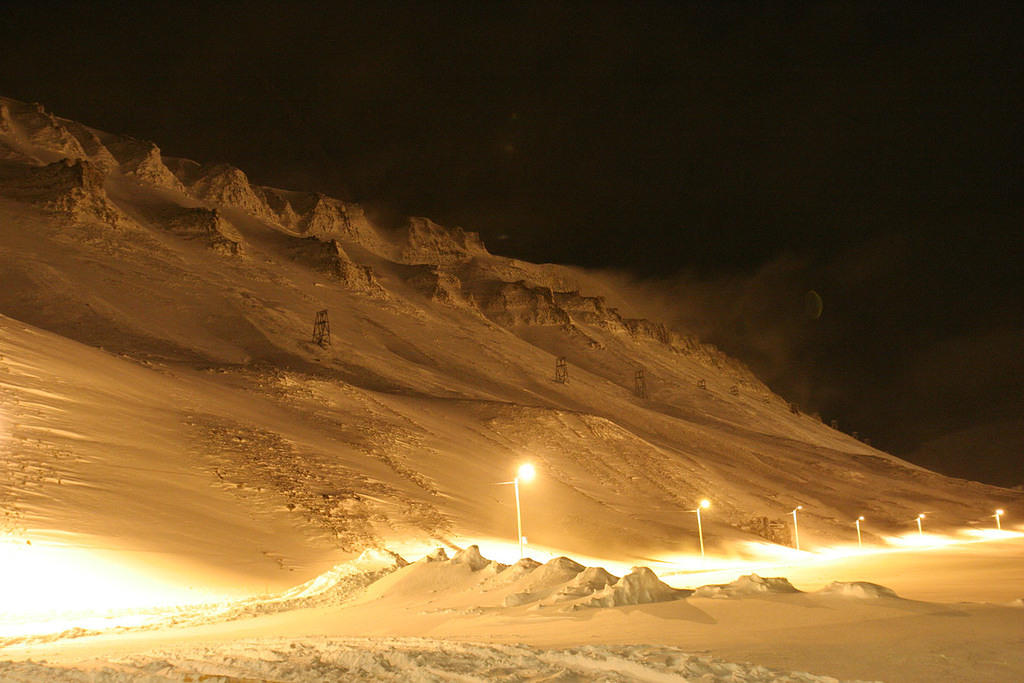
311, 660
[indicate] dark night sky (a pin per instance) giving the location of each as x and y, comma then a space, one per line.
728, 156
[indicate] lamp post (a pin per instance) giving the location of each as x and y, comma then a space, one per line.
704, 505
860, 543
525, 473
999, 513
920, 532
796, 529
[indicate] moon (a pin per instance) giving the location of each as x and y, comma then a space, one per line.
813, 305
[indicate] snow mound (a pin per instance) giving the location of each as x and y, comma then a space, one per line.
862, 590
744, 586
639, 587
1019, 602
587, 582
471, 557
507, 575
543, 581
439, 555
371, 564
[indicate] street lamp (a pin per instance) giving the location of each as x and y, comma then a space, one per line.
860, 543
920, 532
525, 473
704, 505
999, 513
796, 529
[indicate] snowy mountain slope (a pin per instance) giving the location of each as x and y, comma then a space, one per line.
157, 317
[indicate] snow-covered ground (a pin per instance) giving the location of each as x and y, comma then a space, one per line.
405, 659
180, 465
363, 617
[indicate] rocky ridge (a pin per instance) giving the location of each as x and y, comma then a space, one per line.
65, 165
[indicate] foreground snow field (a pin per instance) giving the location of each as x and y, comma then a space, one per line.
533, 621
404, 659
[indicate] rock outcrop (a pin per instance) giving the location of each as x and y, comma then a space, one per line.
207, 226
96, 152
228, 186
330, 257
39, 128
72, 188
424, 241
142, 160
280, 202
438, 285
516, 303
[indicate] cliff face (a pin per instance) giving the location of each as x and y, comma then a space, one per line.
226, 185
95, 151
424, 241
515, 303
209, 227
330, 258
439, 285
72, 189
37, 127
142, 160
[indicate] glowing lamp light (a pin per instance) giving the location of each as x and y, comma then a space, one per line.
860, 543
526, 473
999, 513
796, 529
704, 505
920, 532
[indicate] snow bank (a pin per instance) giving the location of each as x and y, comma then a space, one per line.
401, 659
543, 581
639, 587
587, 582
470, 557
862, 590
435, 576
471, 580
506, 575
745, 586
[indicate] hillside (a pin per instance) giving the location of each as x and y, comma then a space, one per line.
161, 392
